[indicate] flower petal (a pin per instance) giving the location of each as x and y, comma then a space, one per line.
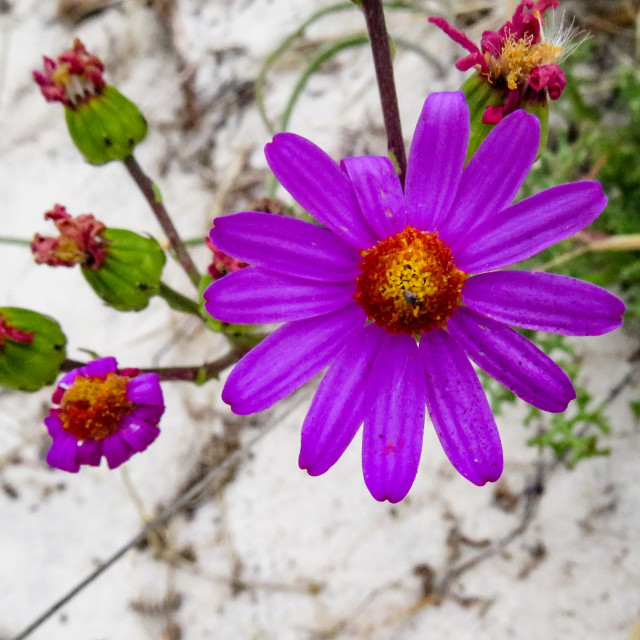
526, 228
90, 452
62, 454
436, 159
545, 302
379, 193
288, 358
256, 296
494, 174
285, 245
318, 186
137, 434
116, 450
54, 425
337, 409
145, 389
459, 409
394, 424
150, 414
99, 368
513, 360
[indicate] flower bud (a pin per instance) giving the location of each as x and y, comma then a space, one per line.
131, 272
122, 267
103, 124
32, 348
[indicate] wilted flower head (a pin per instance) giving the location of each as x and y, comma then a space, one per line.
515, 59
80, 241
103, 411
390, 266
74, 78
221, 263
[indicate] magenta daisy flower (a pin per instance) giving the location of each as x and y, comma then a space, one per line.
396, 292
103, 411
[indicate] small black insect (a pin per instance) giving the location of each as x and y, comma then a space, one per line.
412, 298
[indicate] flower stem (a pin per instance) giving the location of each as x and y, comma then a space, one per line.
177, 301
374, 16
198, 374
153, 197
630, 242
19, 241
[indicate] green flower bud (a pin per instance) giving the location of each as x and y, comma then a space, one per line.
32, 348
107, 127
131, 271
103, 124
481, 94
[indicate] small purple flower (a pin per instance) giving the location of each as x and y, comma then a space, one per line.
383, 294
103, 411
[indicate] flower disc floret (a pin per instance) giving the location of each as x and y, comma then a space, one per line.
94, 407
409, 283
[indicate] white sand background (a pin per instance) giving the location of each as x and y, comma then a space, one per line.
266, 552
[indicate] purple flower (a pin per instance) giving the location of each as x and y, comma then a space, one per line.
388, 267
103, 411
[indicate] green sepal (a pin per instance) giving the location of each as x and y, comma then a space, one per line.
480, 94
212, 323
244, 336
541, 110
29, 366
106, 127
131, 272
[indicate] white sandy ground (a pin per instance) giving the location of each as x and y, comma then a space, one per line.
271, 553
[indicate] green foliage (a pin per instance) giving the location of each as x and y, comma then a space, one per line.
571, 434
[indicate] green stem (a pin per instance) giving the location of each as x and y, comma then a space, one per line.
19, 241
177, 301
152, 196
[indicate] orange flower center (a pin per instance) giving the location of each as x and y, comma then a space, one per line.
409, 283
94, 407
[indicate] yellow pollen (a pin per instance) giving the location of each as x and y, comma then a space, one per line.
519, 58
94, 407
68, 251
409, 283
60, 74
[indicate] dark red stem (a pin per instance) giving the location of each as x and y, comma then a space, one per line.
377, 28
